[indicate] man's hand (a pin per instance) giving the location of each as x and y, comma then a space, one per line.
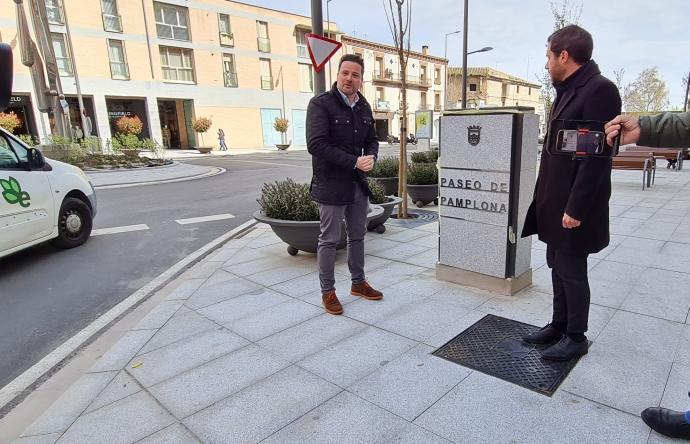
629, 125
365, 163
568, 222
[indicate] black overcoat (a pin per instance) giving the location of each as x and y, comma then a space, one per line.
336, 135
580, 188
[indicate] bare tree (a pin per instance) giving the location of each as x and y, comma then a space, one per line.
399, 19
564, 13
618, 75
647, 93
686, 87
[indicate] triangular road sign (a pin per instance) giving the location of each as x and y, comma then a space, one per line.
321, 49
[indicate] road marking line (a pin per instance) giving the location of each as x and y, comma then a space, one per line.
45, 366
196, 220
123, 229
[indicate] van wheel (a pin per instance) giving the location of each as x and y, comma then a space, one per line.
74, 223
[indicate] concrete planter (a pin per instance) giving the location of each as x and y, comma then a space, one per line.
282, 146
377, 223
390, 184
423, 194
304, 235
204, 149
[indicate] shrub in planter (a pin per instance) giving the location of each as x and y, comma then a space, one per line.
27, 139
129, 125
425, 157
385, 167
201, 125
388, 203
378, 192
422, 174
287, 200
9, 121
386, 172
422, 183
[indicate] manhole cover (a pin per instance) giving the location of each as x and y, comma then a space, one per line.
417, 217
493, 345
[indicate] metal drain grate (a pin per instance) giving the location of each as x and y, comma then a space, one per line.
417, 217
493, 345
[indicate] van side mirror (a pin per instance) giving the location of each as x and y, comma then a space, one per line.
5, 75
35, 158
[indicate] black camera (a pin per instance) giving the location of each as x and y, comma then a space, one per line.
580, 139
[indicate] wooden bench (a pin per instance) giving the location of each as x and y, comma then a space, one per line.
674, 156
637, 161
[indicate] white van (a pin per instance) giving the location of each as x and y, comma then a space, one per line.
41, 199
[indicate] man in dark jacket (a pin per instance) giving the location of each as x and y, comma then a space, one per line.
671, 130
342, 141
570, 210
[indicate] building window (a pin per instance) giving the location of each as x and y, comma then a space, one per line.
266, 76
54, 12
517, 91
437, 76
262, 39
302, 50
62, 55
437, 102
473, 87
119, 69
529, 91
111, 19
229, 72
177, 64
224, 32
172, 22
306, 78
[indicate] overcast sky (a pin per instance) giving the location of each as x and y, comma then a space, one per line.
629, 34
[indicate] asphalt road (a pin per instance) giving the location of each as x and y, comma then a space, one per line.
47, 295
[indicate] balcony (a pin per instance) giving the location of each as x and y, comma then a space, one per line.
112, 23
226, 38
119, 70
423, 107
302, 51
263, 44
437, 81
389, 76
382, 105
267, 82
230, 79
437, 107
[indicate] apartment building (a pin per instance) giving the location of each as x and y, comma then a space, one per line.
491, 87
382, 84
171, 61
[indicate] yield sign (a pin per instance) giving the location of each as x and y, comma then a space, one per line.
321, 49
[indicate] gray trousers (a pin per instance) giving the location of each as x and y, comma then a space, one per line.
355, 215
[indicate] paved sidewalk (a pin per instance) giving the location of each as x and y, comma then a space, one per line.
241, 351
148, 175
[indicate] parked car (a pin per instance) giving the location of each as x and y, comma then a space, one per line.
41, 199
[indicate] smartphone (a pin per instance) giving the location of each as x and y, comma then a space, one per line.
581, 142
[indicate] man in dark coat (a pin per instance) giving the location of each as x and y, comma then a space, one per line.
342, 141
570, 210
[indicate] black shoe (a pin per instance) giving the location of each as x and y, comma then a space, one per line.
667, 422
545, 335
565, 350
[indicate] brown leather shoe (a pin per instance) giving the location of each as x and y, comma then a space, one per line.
364, 290
331, 303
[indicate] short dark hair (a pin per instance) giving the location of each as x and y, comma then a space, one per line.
351, 58
577, 41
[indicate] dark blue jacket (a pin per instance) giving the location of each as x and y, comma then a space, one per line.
336, 135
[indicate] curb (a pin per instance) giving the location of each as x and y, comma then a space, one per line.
213, 171
19, 388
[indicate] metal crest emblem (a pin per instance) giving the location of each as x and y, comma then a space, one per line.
474, 133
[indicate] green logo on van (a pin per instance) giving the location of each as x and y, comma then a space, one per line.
13, 194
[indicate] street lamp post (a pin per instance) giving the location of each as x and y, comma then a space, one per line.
464, 59
328, 34
445, 78
317, 28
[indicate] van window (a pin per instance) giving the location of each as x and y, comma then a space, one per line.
19, 150
7, 157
